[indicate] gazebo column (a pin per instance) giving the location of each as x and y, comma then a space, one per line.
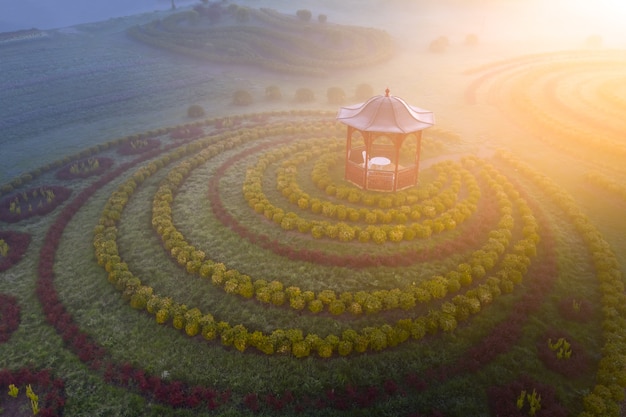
348, 151
367, 138
397, 143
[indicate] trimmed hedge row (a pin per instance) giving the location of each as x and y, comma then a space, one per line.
293, 341
608, 394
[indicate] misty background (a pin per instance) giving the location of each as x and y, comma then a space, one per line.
53, 14
514, 19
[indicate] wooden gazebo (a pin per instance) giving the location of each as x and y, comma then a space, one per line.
377, 130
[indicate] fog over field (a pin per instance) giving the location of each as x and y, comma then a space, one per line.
502, 19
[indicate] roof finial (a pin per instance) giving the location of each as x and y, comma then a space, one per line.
387, 92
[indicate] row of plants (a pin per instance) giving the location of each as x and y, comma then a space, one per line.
327, 156
607, 183
171, 392
321, 178
95, 356
474, 231
192, 259
604, 101
609, 91
612, 128
345, 397
239, 336
564, 134
9, 316
608, 393
442, 204
125, 142
497, 68
527, 105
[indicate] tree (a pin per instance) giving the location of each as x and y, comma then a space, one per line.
304, 15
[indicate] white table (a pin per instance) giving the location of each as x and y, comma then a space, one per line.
380, 161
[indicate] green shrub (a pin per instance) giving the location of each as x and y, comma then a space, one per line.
195, 111
304, 15
242, 98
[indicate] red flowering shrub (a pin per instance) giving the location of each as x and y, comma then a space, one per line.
9, 316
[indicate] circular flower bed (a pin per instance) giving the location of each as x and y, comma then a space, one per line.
49, 393
468, 307
563, 354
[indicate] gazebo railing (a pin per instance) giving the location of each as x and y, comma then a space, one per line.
355, 173
407, 177
379, 179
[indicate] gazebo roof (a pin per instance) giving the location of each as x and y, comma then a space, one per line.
386, 114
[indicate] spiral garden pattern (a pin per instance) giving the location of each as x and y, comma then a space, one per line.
238, 271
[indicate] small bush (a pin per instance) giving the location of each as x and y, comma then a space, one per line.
195, 111
242, 98
322, 18
304, 15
